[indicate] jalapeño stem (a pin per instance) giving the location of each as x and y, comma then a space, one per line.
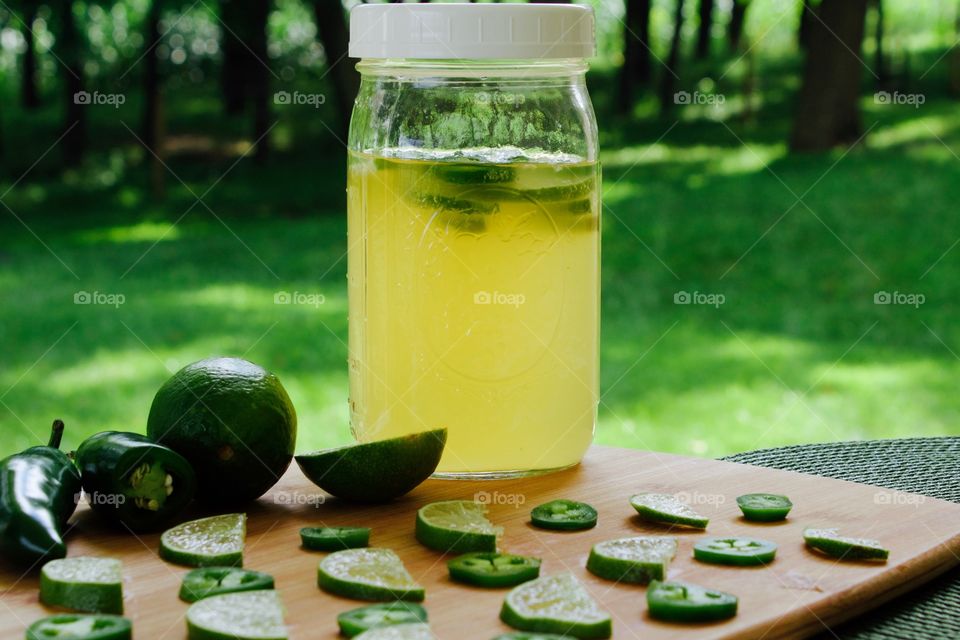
56, 434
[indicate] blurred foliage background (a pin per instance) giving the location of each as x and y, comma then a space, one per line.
798, 158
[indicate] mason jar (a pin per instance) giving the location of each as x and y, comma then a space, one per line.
474, 233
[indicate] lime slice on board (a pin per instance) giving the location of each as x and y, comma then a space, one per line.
411, 631
375, 471
456, 525
556, 604
209, 542
521, 635
251, 615
368, 574
666, 509
764, 507
334, 538
830, 542
636, 560
83, 584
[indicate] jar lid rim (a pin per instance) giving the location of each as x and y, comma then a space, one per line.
472, 31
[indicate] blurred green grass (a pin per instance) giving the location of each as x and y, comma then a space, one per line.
797, 353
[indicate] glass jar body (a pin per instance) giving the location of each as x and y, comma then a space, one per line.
473, 261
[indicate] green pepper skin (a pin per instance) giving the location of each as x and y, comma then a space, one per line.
108, 463
38, 494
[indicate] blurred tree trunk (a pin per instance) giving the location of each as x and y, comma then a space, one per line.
151, 78
954, 69
235, 65
333, 35
260, 80
827, 112
245, 74
670, 72
29, 96
75, 119
704, 29
808, 16
879, 63
636, 52
738, 15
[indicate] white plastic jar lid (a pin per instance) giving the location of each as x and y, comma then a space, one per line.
474, 31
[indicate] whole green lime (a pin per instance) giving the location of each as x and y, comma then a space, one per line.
233, 421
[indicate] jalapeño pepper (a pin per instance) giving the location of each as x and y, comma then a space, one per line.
38, 494
130, 479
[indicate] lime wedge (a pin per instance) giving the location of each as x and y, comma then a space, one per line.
83, 584
562, 192
556, 604
250, 615
665, 509
411, 631
376, 471
457, 173
830, 542
520, 635
635, 560
368, 574
208, 542
456, 525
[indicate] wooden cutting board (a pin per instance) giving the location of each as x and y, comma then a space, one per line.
795, 597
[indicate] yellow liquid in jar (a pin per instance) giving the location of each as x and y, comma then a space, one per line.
474, 305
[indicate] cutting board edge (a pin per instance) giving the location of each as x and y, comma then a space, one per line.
680, 457
836, 609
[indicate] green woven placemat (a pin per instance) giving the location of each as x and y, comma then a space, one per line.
930, 466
